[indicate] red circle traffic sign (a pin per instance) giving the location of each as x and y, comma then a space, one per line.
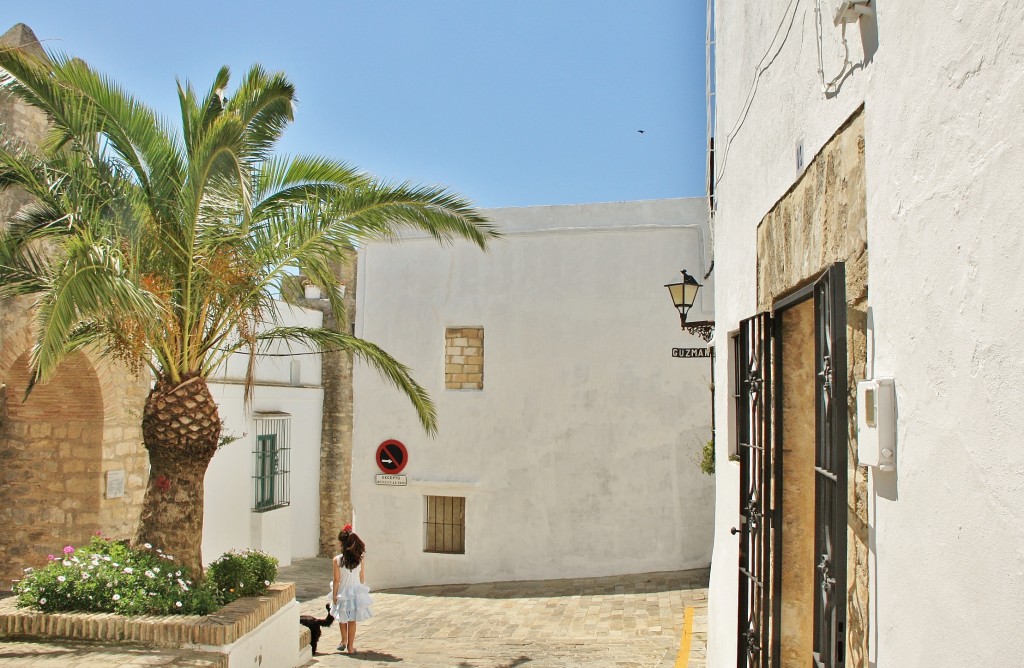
392, 457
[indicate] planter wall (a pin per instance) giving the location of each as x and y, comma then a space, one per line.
256, 630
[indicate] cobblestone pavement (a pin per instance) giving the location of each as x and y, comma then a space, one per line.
628, 621
618, 622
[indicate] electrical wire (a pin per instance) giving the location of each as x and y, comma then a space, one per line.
762, 66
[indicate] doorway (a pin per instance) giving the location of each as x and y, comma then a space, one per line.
792, 438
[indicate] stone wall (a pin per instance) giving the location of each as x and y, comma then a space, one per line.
57, 445
464, 358
822, 220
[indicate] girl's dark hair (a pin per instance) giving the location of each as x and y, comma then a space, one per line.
352, 549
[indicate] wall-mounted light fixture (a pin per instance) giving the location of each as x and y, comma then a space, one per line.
684, 294
850, 11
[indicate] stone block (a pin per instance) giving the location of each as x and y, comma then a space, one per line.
39, 429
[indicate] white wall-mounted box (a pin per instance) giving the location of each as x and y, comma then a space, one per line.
876, 423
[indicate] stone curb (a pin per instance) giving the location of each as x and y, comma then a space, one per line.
220, 628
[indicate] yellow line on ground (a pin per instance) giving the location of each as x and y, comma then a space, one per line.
683, 658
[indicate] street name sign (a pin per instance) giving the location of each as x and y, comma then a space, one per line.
687, 353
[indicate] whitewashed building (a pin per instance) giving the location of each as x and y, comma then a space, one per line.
263, 488
569, 436
868, 160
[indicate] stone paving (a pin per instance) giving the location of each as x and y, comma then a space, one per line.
616, 622
625, 621
68, 654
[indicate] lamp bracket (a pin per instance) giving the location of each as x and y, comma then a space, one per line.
705, 329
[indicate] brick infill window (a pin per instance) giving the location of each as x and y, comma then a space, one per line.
464, 358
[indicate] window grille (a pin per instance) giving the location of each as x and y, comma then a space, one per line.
444, 529
272, 462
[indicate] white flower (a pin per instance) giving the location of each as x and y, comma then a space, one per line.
61, 578
85, 576
156, 569
177, 573
42, 601
117, 597
147, 546
129, 570
266, 582
149, 574
177, 604
27, 570
66, 562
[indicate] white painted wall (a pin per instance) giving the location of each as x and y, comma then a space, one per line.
579, 456
291, 532
944, 129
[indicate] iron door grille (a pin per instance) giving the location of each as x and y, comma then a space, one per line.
758, 629
830, 396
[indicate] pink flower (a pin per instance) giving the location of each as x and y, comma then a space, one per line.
50, 557
68, 549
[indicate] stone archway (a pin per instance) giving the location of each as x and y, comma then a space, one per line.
51, 450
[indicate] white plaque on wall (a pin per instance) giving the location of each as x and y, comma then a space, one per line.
115, 484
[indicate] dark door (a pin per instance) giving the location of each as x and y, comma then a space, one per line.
830, 397
758, 596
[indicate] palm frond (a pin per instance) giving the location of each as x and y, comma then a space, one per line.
88, 284
264, 102
140, 238
390, 369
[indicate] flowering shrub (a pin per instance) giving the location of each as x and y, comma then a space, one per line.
237, 574
110, 576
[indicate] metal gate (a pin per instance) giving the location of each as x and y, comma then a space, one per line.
830, 396
759, 471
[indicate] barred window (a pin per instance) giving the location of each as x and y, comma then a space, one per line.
271, 461
444, 529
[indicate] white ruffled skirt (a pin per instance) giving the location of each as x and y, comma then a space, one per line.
353, 604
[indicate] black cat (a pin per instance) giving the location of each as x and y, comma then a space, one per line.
315, 625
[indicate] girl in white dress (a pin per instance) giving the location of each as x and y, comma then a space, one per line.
350, 597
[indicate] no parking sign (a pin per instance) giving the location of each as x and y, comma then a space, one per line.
392, 457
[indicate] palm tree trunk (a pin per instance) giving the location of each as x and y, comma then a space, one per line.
181, 430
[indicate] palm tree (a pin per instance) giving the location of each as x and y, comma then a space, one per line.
164, 249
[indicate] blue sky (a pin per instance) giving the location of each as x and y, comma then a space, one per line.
509, 102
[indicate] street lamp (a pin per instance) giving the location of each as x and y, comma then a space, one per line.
684, 294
